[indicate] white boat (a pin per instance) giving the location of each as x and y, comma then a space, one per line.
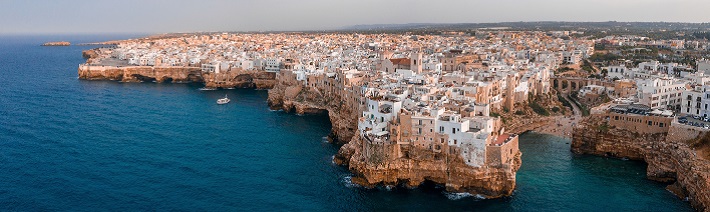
224, 100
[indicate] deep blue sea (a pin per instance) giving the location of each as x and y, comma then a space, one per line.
75, 145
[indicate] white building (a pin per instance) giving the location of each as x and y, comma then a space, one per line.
273, 65
704, 67
695, 102
619, 72
660, 93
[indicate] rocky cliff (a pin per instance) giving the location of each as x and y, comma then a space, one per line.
377, 164
231, 79
240, 79
141, 74
298, 99
672, 157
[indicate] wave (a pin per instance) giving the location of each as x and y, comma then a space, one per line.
458, 196
348, 182
207, 89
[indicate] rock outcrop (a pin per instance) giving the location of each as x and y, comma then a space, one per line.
378, 164
230, 79
141, 74
240, 79
292, 97
672, 157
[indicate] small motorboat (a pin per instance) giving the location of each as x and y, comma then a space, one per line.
224, 100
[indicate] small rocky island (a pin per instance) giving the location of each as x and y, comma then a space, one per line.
60, 43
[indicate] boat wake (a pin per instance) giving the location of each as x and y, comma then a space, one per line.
208, 89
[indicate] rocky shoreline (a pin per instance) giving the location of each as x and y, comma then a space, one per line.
668, 162
671, 157
375, 165
235, 79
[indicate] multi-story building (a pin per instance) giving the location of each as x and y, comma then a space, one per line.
661, 93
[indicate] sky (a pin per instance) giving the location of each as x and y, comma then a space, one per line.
163, 16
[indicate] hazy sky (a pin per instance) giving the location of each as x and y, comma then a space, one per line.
153, 16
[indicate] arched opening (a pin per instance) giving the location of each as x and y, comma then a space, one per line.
143, 78
555, 84
573, 85
166, 80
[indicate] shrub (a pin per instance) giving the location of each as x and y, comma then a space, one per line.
539, 109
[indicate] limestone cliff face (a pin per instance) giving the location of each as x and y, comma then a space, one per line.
378, 164
141, 74
374, 164
295, 98
232, 79
240, 79
671, 156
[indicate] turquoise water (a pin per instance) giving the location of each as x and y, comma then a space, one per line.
74, 145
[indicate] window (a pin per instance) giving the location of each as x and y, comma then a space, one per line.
455, 141
441, 129
453, 130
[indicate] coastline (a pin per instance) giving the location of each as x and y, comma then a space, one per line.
373, 163
342, 134
671, 156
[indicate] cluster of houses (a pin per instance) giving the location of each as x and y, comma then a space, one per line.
665, 86
434, 92
645, 42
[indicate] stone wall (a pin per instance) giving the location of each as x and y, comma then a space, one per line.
638, 123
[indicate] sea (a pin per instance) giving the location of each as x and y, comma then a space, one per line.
75, 145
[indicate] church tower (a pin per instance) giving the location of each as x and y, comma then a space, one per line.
511, 83
415, 63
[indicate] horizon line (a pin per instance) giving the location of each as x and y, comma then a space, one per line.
337, 29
